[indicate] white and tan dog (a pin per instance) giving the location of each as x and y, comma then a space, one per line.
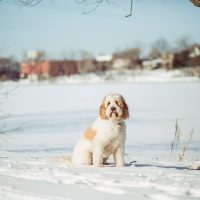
106, 135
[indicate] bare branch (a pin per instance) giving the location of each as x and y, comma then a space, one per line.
80, 2
131, 9
3, 48
96, 6
98, 2
28, 3
114, 3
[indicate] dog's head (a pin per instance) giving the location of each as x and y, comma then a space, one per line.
114, 107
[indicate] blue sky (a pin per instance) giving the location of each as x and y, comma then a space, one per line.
60, 27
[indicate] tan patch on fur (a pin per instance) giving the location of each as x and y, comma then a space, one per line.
90, 134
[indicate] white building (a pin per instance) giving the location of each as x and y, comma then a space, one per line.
121, 63
34, 55
104, 58
195, 52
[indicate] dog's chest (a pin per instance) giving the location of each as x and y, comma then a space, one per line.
114, 139
115, 129
109, 131
115, 136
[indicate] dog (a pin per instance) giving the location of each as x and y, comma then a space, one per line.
106, 136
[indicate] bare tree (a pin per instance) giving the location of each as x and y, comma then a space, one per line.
3, 48
159, 48
183, 43
86, 63
133, 54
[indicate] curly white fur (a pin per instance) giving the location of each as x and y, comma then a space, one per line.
106, 136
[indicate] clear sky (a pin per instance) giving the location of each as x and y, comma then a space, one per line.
59, 26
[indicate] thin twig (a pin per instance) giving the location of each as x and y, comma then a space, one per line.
27, 3
98, 2
131, 9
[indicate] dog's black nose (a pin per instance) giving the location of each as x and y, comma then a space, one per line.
113, 108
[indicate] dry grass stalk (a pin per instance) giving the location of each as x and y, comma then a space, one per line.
186, 147
175, 141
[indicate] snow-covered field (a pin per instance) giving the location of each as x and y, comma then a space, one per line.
51, 118
125, 76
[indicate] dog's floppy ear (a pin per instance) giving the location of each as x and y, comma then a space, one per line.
124, 107
102, 111
125, 111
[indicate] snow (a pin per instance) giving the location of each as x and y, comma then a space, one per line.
120, 76
51, 118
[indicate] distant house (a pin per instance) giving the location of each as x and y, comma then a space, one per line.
128, 59
46, 69
121, 63
35, 55
104, 58
195, 51
61, 68
168, 60
153, 63
87, 65
35, 70
9, 69
165, 61
103, 62
188, 58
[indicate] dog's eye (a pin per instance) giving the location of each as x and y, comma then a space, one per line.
116, 102
108, 103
